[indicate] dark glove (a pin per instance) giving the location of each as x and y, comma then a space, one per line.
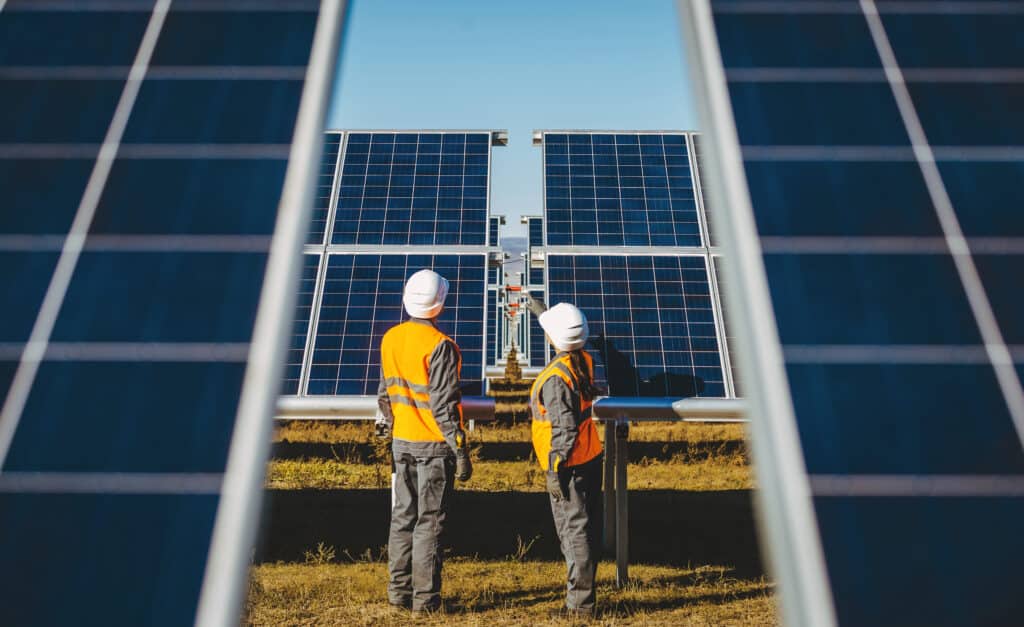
382, 429
463, 467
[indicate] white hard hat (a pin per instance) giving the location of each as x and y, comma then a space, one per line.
424, 295
566, 326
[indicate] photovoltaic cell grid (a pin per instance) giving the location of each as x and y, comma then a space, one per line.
907, 432
538, 357
300, 325
619, 190
362, 299
144, 366
324, 187
536, 232
493, 231
413, 189
494, 337
652, 325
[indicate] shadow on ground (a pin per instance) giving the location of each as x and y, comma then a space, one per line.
666, 526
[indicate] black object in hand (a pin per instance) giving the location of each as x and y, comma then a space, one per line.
463, 467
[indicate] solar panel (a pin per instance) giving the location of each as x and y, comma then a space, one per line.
300, 325
879, 146
538, 345
495, 340
413, 189
622, 189
325, 187
143, 157
536, 231
493, 230
652, 325
362, 299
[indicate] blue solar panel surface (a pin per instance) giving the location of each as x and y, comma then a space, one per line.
144, 364
413, 188
886, 358
300, 325
324, 188
494, 339
362, 299
621, 189
730, 341
536, 231
538, 344
652, 325
494, 229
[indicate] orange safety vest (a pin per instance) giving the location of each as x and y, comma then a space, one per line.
587, 446
405, 354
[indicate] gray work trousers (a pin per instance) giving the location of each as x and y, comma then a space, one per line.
422, 493
577, 514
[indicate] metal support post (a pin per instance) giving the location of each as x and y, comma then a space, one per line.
609, 487
621, 504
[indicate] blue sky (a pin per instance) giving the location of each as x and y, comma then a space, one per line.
518, 65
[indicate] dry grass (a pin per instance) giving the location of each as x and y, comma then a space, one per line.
520, 476
486, 593
680, 456
322, 431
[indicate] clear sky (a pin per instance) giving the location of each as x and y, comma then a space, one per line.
518, 65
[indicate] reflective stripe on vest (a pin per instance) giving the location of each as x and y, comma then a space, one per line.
405, 354
588, 445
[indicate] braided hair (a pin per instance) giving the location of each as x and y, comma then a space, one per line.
585, 382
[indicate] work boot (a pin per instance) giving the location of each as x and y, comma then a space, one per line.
573, 614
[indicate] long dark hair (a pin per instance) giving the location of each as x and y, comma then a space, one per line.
584, 380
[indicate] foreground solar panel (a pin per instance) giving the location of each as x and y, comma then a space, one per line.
623, 189
144, 153
414, 189
652, 324
362, 299
869, 159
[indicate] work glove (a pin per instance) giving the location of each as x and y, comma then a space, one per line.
381, 428
557, 479
535, 306
463, 467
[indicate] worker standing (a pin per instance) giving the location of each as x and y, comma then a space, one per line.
568, 449
419, 399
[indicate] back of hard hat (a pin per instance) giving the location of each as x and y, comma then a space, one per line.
424, 295
566, 325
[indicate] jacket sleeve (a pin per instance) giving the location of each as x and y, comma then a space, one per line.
384, 414
561, 404
445, 395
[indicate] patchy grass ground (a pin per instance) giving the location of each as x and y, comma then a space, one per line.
523, 476
485, 593
692, 468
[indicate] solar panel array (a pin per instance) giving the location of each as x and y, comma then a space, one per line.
413, 189
625, 189
881, 145
357, 295
651, 321
362, 299
143, 153
605, 194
